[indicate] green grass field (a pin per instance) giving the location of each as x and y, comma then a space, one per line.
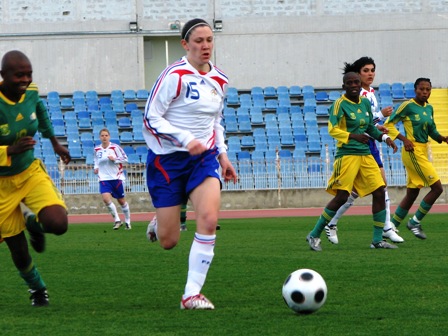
105, 282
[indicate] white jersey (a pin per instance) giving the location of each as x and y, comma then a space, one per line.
370, 95
107, 169
185, 104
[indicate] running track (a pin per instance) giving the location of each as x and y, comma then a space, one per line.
258, 213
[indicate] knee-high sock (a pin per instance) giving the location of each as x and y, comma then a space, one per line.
344, 208
201, 256
387, 224
32, 277
323, 220
399, 215
113, 211
378, 225
126, 212
422, 210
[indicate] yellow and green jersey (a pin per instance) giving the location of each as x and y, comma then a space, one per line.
17, 120
348, 117
418, 122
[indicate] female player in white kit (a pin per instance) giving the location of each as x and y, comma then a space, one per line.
182, 128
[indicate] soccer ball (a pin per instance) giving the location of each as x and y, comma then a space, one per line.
304, 291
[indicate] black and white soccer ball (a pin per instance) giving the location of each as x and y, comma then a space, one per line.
304, 291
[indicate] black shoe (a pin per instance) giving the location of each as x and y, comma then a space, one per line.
218, 227
39, 298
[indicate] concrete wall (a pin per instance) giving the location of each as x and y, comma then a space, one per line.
86, 44
238, 200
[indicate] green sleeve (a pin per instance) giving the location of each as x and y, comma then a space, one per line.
45, 127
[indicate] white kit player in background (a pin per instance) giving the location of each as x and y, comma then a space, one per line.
108, 165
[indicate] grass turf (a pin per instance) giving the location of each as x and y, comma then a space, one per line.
105, 282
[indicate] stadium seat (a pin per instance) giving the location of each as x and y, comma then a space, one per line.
322, 96
333, 95
129, 107
134, 159
269, 92
84, 123
91, 94
129, 95
142, 151
124, 122
53, 94
126, 137
128, 149
66, 103
322, 110
295, 91
247, 141
307, 88
142, 94
59, 130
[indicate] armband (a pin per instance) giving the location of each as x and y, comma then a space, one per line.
385, 137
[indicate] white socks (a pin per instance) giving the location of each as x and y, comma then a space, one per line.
201, 256
127, 213
113, 211
343, 208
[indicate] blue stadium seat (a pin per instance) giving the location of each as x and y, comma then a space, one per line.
307, 88
245, 127
124, 122
91, 94
78, 94
247, 141
129, 94
59, 130
322, 96
128, 149
134, 158
126, 137
295, 90
84, 123
66, 103
333, 95
142, 151
270, 91
322, 110
129, 107
142, 94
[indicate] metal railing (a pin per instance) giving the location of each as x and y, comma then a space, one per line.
278, 173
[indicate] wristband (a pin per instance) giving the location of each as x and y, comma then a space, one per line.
385, 137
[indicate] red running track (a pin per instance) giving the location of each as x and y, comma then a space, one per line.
258, 213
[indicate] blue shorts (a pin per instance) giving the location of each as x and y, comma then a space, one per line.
172, 177
375, 152
113, 187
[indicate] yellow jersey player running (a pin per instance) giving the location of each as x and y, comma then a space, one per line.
23, 178
417, 117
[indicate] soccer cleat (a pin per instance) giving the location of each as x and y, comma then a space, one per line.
198, 301
382, 245
416, 230
127, 226
183, 227
37, 239
218, 227
392, 235
39, 298
117, 225
331, 232
151, 230
314, 243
